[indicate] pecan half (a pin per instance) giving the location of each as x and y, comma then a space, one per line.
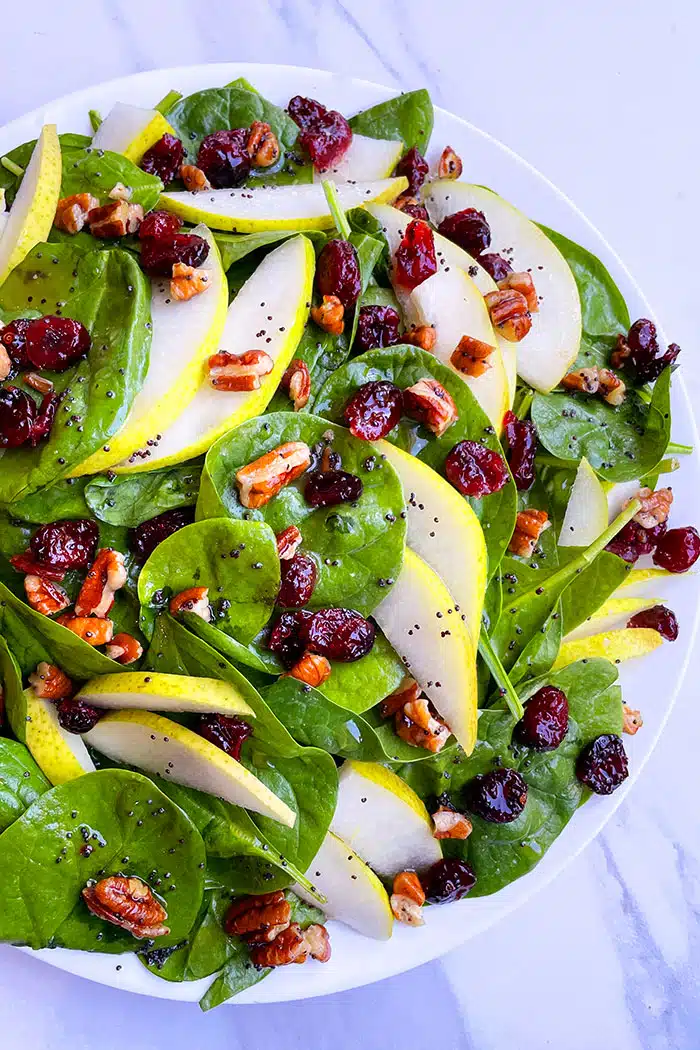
106, 576
470, 357
194, 600
38, 383
521, 281
288, 947
632, 720
45, 597
407, 899
329, 315
449, 824
263, 147
120, 192
509, 313
429, 403
311, 669
419, 725
259, 919
297, 382
5, 363
124, 649
194, 178
129, 903
239, 371
408, 690
288, 542
423, 336
596, 380
655, 507
262, 479
50, 682
91, 629
449, 165
72, 212
318, 942
187, 281
529, 526
115, 220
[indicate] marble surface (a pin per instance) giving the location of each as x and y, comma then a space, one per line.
600, 97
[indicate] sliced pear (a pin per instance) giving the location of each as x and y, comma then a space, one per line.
366, 160
61, 756
280, 288
151, 691
617, 494
636, 577
383, 820
354, 894
34, 208
175, 753
185, 334
444, 531
625, 644
610, 614
276, 207
418, 617
131, 130
552, 344
587, 510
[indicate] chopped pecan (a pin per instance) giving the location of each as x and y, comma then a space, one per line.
120, 192
632, 720
449, 824
449, 165
38, 383
311, 669
584, 380
417, 724
288, 542
288, 947
129, 903
91, 629
529, 526
188, 281
411, 206
509, 313
50, 682
262, 479
106, 576
407, 899
423, 336
408, 690
622, 351
470, 356
655, 507
329, 315
263, 147
5, 363
409, 885
297, 382
124, 649
259, 919
318, 942
194, 600
330, 459
194, 178
115, 219
239, 371
611, 387
429, 403
521, 281
45, 597
72, 212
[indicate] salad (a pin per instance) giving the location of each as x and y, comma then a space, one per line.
327, 482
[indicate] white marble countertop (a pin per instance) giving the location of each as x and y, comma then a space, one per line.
602, 98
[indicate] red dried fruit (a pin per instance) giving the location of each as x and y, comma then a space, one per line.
410, 206
658, 618
65, 545
324, 133
76, 716
164, 158
377, 326
415, 168
225, 732
546, 720
475, 470
144, 538
602, 765
469, 229
415, 258
14, 339
17, 416
159, 224
633, 541
26, 564
289, 636
340, 634
338, 272
495, 265
498, 797
639, 352
298, 581
159, 255
330, 487
41, 427
521, 437
224, 158
678, 549
448, 880
55, 343
374, 410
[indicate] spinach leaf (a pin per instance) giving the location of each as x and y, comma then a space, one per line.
408, 117
587, 592
404, 366
21, 781
44, 867
354, 545
109, 294
64, 499
237, 975
96, 171
129, 500
323, 353
501, 853
236, 246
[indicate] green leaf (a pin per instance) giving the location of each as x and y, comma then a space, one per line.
407, 117
323, 353
238, 974
130, 499
96, 171
21, 781
236, 246
64, 499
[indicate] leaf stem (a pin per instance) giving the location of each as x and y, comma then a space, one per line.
591, 553
167, 102
524, 406
674, 449
10, 166
666, 466
341, 223
95, 118
500, 675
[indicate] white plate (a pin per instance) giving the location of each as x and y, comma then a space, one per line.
651, 684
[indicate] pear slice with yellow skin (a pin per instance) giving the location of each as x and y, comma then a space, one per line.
280, 287
636, 577
366, 159
159, 745
185, 334
60, 755
152, 691
625, 644
131, 130
610, 614
34, 208
444, 531
587, 510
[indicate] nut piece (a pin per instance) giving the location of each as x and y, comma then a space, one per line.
618, 357
411, 206
470, 356
115, 220
262, 479
329, 315
129, 903
263, 147
194, 178
522, 282
529, 526
45, 597
408, 690
611, 387
449, 824
655, 508
450, 165
311, 669
5, 363
72, 212
120, 192
297, 382
509, 314
632, 720
318, 942
596, 380
124, 649
91, 629
194, 600
38, 383
50, 683
288, 947
187, 281
288, 542
106, 576
259, 919
407, 899
429, 403
423, 336
239, 371
419, 724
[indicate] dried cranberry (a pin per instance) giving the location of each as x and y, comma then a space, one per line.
678, 549
633, 541
17, 415
324, 133
377, 326
14, 339
602, 766
159, 224
144, 538
469, 229
374, 410
224, 158
521, 436
415, 258
327, 488
226, 732
475, 470
55, 343
65, 545
495, 265
30, 567
298, 581
415, 167
41, 427
289, 636
546, 720
642, 352
164, 158
498, 796
338, 272
158, 254
340, 634
412, 208
448, 880
658, 618
76, 716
